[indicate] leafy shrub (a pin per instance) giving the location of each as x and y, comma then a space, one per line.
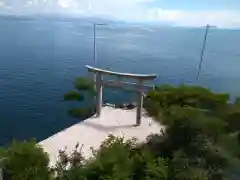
25, 161
73, 96
237, 101
201, 141
129, 162
193, 134
84, 84
193, 96
182, 168
230, 143
233, 120
84, 87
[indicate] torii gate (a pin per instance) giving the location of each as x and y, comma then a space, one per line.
138, 86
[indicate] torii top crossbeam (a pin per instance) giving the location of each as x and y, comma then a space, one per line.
144, 77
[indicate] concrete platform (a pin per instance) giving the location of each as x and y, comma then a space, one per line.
93, 131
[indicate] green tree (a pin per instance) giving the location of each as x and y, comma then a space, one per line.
193, 96
84, 91
237, 101
25, 161
200, 142
233, 120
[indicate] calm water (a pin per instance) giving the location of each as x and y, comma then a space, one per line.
39, 61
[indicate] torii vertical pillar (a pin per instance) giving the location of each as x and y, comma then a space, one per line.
139, 108
139, 103
99, 94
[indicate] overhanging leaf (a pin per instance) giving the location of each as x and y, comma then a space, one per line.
73, 96
84, 84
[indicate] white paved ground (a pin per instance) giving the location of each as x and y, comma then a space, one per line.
93, 131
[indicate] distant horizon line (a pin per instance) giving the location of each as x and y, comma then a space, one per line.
58, 16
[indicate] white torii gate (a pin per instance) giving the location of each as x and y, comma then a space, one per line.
138, 87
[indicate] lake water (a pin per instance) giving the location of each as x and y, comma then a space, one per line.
40, 60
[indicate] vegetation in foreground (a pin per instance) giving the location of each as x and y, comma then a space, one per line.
201, 142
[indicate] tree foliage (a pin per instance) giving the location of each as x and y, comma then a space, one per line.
237, 101
73, 96
202, 125
201, 141
86, 84
25, 161
84, 90
191, 96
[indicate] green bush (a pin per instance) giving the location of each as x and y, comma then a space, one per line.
189, 143
193, 96
25, 161
182, 168
201, 141
230, 143
237, 101
233, 120
118, 160
73, 96
85, 84
84, 91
